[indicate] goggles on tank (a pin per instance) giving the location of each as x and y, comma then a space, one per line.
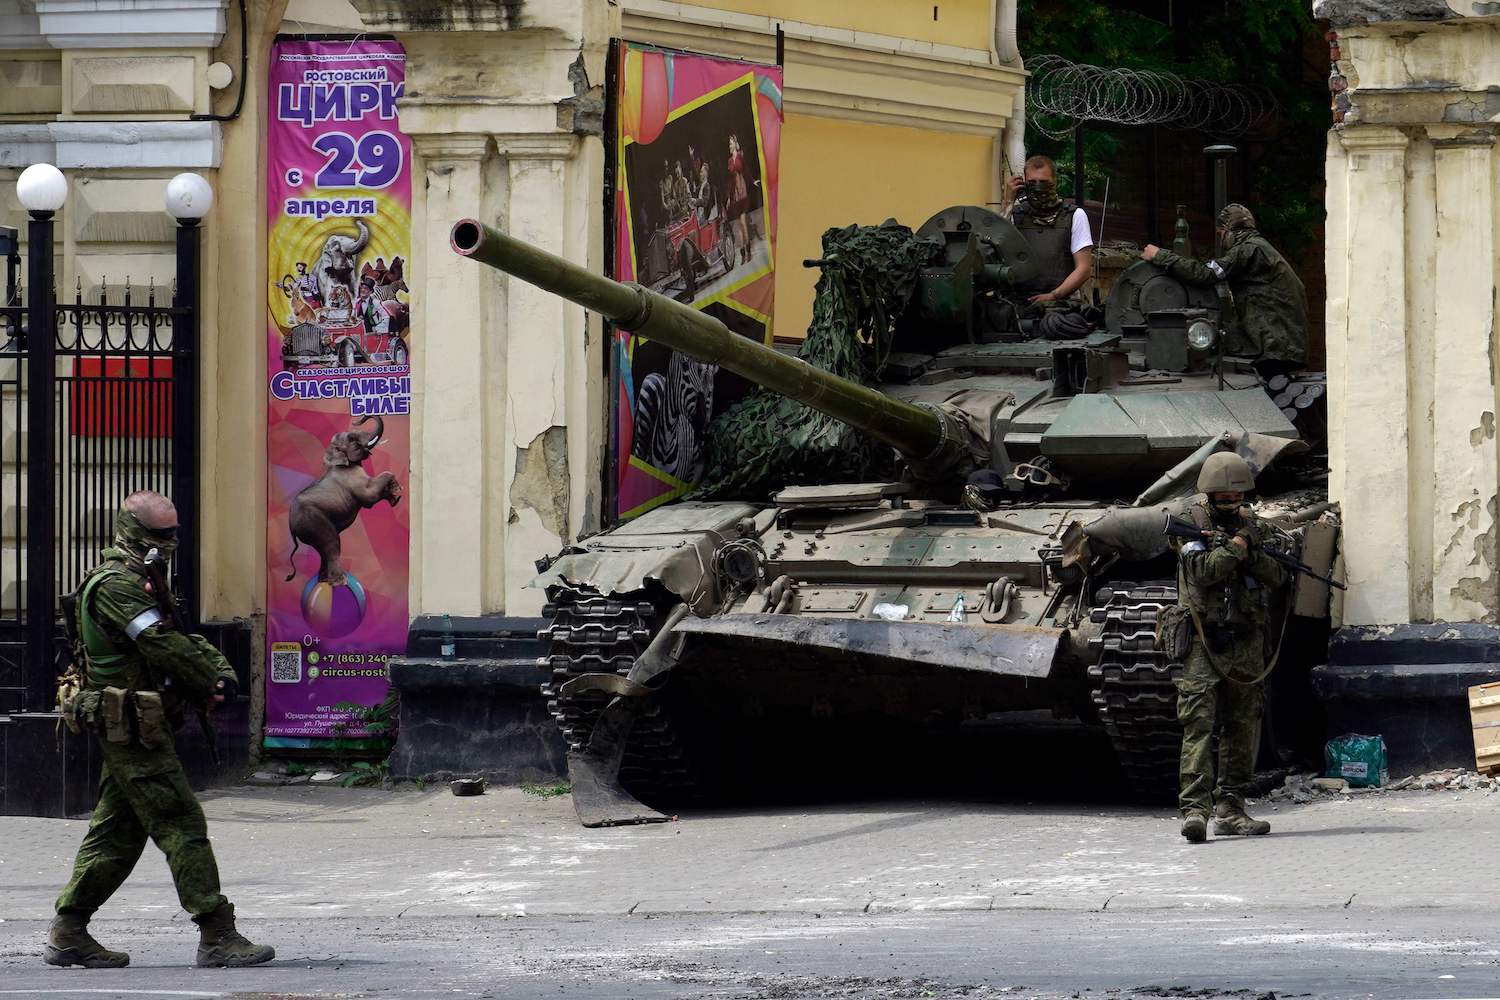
1038, 475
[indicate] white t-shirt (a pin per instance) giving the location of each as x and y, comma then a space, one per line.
1083, 237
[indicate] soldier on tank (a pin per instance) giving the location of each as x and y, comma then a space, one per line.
141, 673
1270, 303
1060, 237
1226, 581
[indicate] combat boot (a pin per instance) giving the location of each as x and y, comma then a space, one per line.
221, 946
69, 943
1231, 820
1195, 828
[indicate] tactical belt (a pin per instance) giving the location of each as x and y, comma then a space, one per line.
1203, 638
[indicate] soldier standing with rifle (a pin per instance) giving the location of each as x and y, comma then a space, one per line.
143, 670
1225, 583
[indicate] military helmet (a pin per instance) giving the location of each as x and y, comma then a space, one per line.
1235, 216
1225, 472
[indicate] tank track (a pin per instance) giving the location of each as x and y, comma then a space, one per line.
1134, 689
592, 634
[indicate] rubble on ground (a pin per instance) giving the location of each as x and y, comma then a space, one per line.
1303, 788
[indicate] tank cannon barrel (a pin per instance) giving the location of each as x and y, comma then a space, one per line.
915, 432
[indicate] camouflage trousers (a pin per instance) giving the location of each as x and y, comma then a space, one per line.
143, 794
1205, 698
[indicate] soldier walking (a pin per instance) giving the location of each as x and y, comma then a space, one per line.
1270, 303
141, 674
1226, 581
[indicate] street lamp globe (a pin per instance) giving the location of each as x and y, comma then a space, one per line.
189, 197
42, 188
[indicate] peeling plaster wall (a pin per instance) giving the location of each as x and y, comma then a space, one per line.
503, 105
1412, 263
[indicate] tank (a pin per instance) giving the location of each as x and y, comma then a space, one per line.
1013, 560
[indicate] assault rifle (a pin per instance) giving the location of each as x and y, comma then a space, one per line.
1181, 529
161, 590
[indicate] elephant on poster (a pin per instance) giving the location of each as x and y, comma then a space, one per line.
335, 265
323, 510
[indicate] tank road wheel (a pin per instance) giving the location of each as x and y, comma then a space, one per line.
593, 634
1134, 687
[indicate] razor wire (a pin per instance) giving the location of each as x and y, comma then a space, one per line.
1061, 94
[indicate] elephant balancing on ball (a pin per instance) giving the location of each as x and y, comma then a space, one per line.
319, 514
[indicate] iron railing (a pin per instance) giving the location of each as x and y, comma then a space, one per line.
117, 371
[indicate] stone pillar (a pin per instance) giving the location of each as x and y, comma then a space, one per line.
544, 345
1372, 412
1336, 309
450, 455
1421, 383
507, 380
1464, 479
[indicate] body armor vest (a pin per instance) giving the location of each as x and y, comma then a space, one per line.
1051, 246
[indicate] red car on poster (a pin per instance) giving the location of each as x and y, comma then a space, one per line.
344, 333
687, 253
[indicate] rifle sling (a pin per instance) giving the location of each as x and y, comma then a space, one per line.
1203, 638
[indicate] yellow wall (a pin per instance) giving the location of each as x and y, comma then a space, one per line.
965, 23
837, 172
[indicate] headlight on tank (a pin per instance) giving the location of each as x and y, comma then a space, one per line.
1201, 335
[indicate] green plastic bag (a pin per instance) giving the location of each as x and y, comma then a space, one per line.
1359, 760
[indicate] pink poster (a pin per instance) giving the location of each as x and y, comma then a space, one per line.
338, 193
699, 141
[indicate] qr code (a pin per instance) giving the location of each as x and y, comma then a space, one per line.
286, 663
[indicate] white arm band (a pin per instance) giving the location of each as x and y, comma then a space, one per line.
142, 622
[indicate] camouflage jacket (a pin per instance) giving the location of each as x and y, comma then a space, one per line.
1269, 301
132, 646
1217, 581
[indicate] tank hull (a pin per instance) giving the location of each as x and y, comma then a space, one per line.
968, 586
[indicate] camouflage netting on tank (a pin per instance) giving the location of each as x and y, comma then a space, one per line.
766, 441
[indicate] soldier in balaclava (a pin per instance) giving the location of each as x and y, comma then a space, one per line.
1062, 246
1226, 580
1270, 304
142, 674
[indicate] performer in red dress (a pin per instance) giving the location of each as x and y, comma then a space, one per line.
739, 197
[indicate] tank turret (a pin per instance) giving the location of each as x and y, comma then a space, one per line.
936, 444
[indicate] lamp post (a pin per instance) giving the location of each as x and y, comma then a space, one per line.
188, 199
41, 189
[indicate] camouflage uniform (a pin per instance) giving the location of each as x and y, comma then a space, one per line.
1232, 595
143, 791
1270, 302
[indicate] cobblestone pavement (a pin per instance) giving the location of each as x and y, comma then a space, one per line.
397, 893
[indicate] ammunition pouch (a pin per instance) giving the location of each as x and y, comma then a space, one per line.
151, 720
80, 709
1174, 632
114, 714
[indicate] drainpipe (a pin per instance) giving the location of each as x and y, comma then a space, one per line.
1013, 136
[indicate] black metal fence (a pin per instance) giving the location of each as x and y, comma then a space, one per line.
116, 372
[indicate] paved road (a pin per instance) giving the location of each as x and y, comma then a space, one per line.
407, 893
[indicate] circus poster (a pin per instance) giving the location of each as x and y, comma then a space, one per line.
338, 193
695, 219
